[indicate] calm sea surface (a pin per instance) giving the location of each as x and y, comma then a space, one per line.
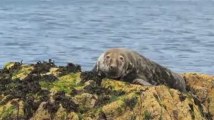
176, 34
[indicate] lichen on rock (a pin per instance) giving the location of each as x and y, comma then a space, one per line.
47, 91
202, 86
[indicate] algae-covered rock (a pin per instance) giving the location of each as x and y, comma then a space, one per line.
44, 91
202, 86
41, 113
23, 72
12, 109
10, 65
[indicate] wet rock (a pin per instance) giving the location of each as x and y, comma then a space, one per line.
202, 86
73, 116
66, 101
54, 71
47, 91
12, 110
61, 114
43, 67
23, 72
86, 101
41, 113
11, 66
90, 75
70, 68
23, 82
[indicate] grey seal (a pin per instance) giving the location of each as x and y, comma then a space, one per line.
128, 65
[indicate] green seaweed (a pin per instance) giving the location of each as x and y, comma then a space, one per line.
65, 83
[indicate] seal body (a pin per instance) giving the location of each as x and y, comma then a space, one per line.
127, 65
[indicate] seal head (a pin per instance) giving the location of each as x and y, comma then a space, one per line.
112, 63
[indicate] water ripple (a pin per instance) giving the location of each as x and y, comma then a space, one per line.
177, 34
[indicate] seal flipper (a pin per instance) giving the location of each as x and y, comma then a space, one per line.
141, 82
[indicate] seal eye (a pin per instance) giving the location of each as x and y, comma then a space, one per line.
107, 57
121, 58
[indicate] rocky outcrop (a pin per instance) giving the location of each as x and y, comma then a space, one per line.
44, 91
202, 86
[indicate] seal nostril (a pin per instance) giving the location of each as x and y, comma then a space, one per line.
112, 67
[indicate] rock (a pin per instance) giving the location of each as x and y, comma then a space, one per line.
54, 71
41, 113
46, 91
23, 72
202, 86
12, 109
11, 65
